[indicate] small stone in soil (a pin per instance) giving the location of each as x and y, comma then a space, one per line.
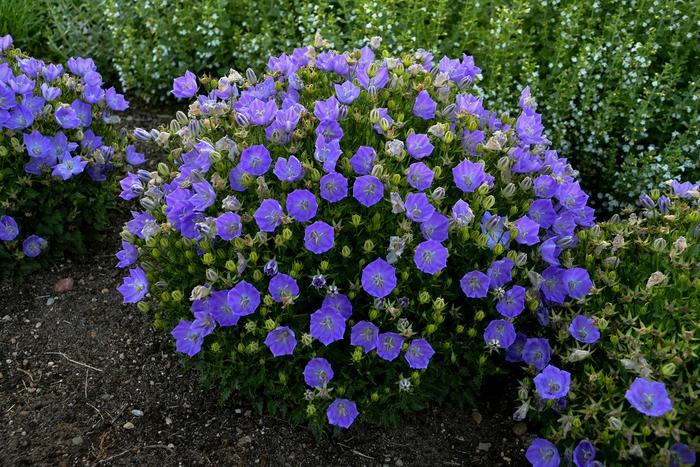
520, 428
476, 416
77, 441
245, 440
50, 301
484, 446
137, 413
64, 285
128, 426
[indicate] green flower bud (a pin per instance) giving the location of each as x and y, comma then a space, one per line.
241, 347
287, 233
267, 300
177, 296
230, 265
668, 369
163, 169
257, 275
431, 328
211, 275
479, 315
498, 249
449, 137
357, 354
252, 348
250, 326
143, 307
423, 297
459, 329
216, 347
384, 124
374, 397
374, 116
253, 257
356, 220
471, 332
269, 323
439, 304
368, 246
310, 410
488, 202
346, 251
396, 179
373, 314
655, 194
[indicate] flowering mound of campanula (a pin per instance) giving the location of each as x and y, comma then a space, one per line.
627, 390
343, 238
58, 152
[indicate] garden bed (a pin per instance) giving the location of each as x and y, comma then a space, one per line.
75, 365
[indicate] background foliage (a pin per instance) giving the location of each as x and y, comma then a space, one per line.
618, 80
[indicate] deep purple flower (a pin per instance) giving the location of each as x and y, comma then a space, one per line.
127, 255
288, 170
5, 42
378, 278
584, 454
363, 159
499, 332
389, 345
552, 285
419, 353
68, 167
430, 257
475, 284
512, 303
552, 383
529, 128
134, 157
571, 196
228, 226
584, 330
318, 372
67, 117
318, 281
203, 197
271, 268
319, 237
424, 107
340, 303
218, 306
436, 228
418, 145
269, 215
132, 187
281, 341
342, 413
368, 190
283, 288
542, 453
468, 176
334, 187
577, 282
188, 340
545, 186
649, 397
19, 118
514, 353
8, 228
243, 299
682, 189
682, 455
134, 287
115, 101
261, 112
347, 92
185, 86
462, 214
255, 160
537, 353
500, 272
327, 325
301, 205
327, 110
37, 145
364, 334
528, 231
420, 176
418, 207
327, 152
549, 250
542, 212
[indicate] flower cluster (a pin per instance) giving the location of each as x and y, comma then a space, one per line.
630, 348
343, 225
55, 133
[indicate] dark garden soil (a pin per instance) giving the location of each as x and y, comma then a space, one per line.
85, 379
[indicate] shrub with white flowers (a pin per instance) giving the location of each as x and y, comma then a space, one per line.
58, 152
347, 234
